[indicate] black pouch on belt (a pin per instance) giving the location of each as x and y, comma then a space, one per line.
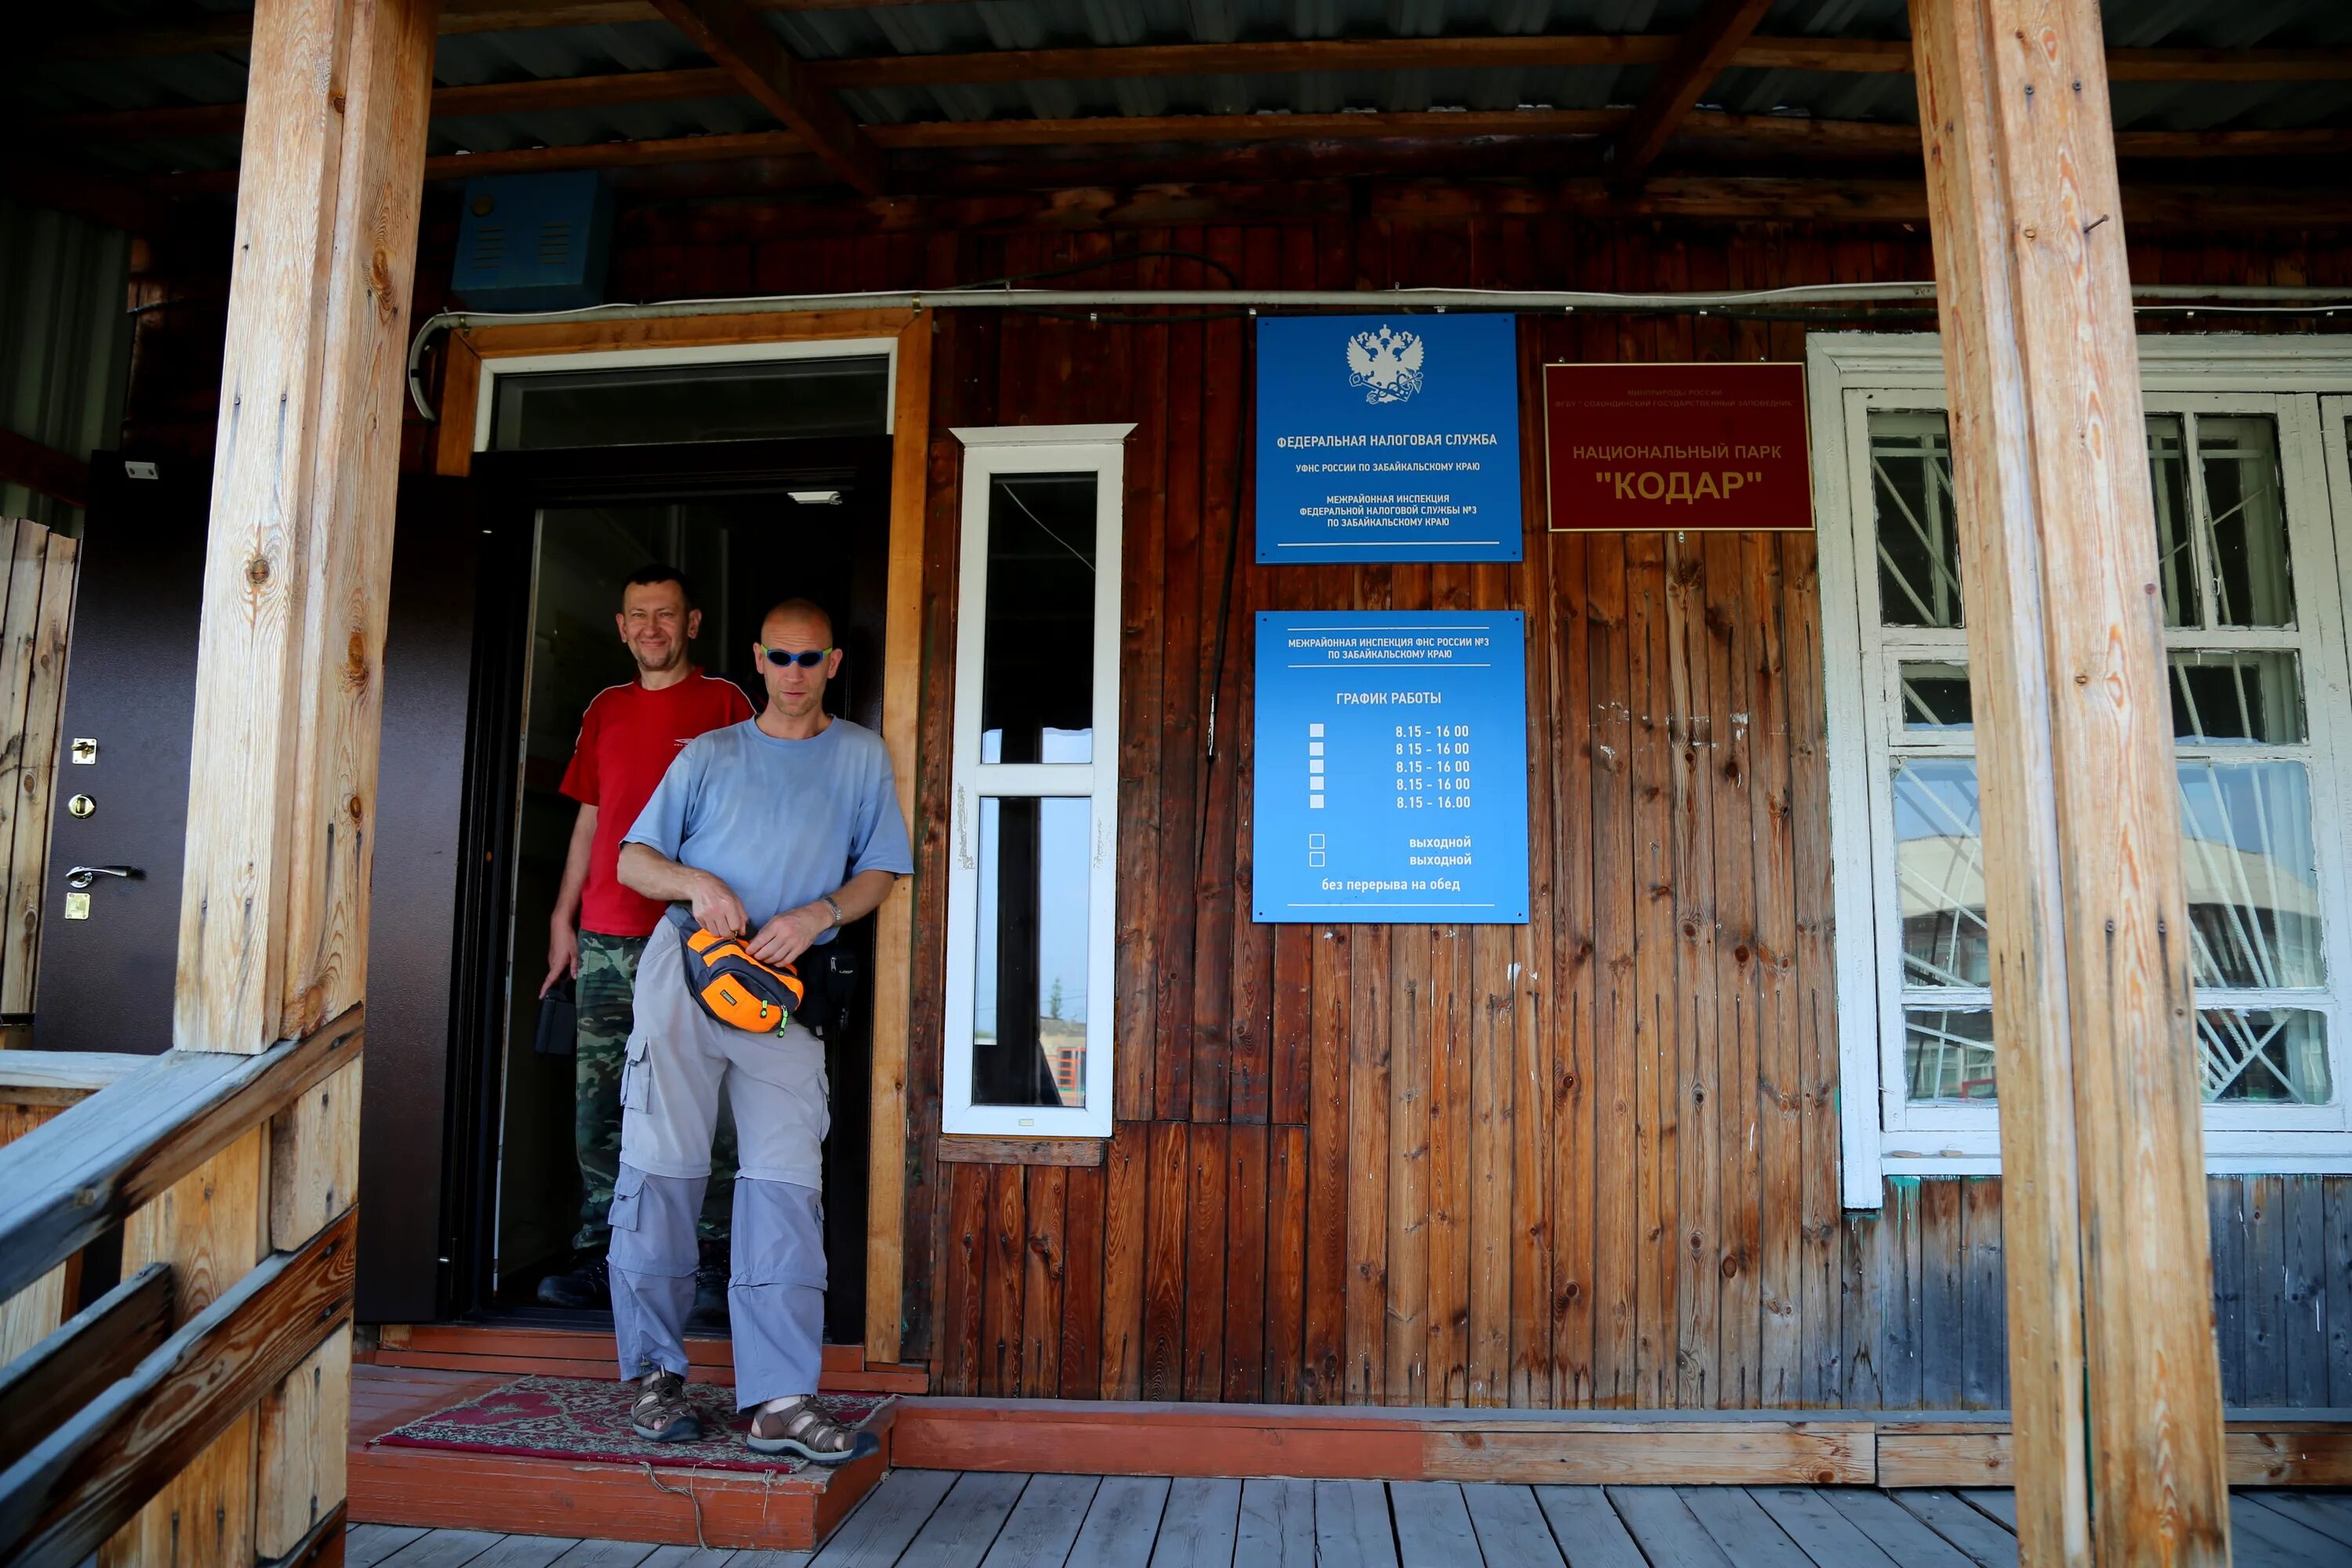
833, 973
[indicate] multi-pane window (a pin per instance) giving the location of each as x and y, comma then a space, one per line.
2256, 670
1032, 837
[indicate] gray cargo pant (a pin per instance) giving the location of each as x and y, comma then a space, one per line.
678, 1059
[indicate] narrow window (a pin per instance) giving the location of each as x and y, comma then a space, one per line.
1031, 894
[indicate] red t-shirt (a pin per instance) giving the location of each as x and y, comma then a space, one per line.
627, 739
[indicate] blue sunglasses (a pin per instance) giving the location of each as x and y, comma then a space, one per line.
807, 659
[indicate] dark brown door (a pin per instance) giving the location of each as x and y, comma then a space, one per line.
105, 983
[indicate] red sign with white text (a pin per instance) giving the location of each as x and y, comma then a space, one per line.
1643, 448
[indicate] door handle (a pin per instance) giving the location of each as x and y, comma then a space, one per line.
83, 876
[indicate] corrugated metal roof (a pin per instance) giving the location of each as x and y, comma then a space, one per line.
65, 86
64, 342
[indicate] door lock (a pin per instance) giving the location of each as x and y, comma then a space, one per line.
85, 749
83, 876
80, 805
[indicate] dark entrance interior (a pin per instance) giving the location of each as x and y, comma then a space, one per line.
750, 523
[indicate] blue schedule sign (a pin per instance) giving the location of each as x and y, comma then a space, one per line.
1391, 767
1382, 440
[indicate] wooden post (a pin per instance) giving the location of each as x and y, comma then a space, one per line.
273, 933
2115, 1385
894, 924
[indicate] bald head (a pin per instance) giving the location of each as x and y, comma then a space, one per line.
804, 617
795, 630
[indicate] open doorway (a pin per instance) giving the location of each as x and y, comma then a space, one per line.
750, 523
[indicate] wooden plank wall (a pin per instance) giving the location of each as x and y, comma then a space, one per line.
1578, 1161
1588, 1160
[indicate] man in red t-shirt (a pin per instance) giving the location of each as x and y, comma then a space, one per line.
627, 739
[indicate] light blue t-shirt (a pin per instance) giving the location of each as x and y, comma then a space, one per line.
779, 822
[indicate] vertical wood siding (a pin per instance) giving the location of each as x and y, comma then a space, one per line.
1588, 1160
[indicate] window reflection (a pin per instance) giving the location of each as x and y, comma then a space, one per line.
2245, 1055
1029, 995
1935, 696
2225, 695
1036, 683
2251, 586
2176, 557
1939, 872
1919, 533
1948, 1053
2248, 835
2246, 857
2252, 1054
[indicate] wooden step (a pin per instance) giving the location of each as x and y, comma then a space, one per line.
520, 1496
582, 1352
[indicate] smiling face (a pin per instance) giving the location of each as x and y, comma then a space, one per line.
657, 625
796, 691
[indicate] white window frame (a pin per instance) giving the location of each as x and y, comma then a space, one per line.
496, 367
1101, 450
2300, 379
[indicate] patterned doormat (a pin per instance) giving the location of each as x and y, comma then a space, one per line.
588, 1418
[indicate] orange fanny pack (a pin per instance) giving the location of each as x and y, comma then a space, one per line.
736, 988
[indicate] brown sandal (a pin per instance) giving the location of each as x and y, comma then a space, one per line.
663, 1414
804, 1429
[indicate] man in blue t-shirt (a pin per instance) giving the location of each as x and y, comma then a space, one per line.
779, 829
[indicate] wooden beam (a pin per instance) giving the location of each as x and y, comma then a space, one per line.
280, 812
2229, 65
1542, 51
48, 1385
1828, 138
44, 468
1129, 129
2301, 141
894, 922
83, 1480
2112, 1372
1700, 55
737, 147
483, 98
231, 32
1276, 58
1891, 138
84, 1171
739, 41
273, 915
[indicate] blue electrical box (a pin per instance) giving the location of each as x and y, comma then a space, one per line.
533, 242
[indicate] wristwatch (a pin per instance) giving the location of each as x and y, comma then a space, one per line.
827, 899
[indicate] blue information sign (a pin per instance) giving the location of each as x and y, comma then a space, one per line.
1387, 440
1391, 767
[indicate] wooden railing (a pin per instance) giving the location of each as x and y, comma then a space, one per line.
103, 1412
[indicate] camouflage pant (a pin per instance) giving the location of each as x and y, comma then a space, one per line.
608, 977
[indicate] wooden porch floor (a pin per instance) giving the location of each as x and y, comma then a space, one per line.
939, 1518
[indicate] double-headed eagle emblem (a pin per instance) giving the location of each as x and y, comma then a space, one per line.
1386, 363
